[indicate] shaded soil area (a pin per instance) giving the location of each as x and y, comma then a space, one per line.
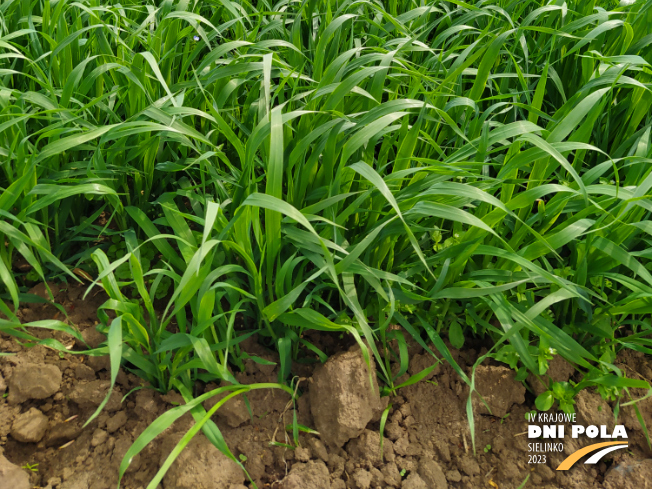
427, 444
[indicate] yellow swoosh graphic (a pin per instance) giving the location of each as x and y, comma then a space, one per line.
575, 456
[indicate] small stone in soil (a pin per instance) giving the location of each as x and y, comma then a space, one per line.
30, 426
116, 422
318, 448
469, 465
84, 372
302, 454
32, 381
336, 464
443, 450
377, 477
313, 475
401, 445
405, 410
393, 431
413, 481
367, 448
99, 437
342, 400
432, 475
362, 479
391, 475
453, 476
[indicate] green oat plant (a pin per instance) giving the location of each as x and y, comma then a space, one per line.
193, 339
455, 169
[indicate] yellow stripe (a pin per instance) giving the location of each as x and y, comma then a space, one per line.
574, 457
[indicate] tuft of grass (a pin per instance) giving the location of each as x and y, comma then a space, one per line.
457, 170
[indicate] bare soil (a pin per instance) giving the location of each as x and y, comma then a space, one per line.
427, 439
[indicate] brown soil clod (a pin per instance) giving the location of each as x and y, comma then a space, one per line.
31, 381
30, 426
304, 475
342, 400
11, 476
